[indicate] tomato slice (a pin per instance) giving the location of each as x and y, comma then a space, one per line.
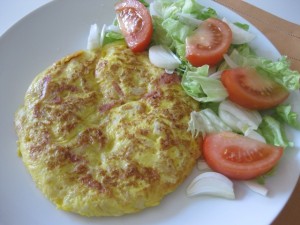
135, 23
209, 43
251, 90
239, 157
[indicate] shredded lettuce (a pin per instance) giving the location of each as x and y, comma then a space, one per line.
214, 106
112, 36
172, 34
273, 131
280, 71
170, 8
192, 7
178, 31
203, 88
161, 36
242, 25
284, 113
277, 70
206, 121
169, 30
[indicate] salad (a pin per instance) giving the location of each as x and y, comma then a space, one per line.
242, 95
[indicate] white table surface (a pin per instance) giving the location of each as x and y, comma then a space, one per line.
13, 10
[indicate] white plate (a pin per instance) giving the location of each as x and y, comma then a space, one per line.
60, 28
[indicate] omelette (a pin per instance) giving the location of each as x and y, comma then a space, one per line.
104, 132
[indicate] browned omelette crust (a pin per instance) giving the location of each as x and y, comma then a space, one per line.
105, 133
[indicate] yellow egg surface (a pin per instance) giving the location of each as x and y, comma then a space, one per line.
104, 133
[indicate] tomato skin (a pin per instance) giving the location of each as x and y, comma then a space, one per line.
251, 90
239, 157
135, 23
209, 43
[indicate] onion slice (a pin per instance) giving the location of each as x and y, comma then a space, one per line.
102, 35
255, 135
239, 35
239, 118
216, 75
212, 184
113, 28
163, 57
189, 19
256, 187
229, 61
93, 38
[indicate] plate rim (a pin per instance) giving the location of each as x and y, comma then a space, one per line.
45, 7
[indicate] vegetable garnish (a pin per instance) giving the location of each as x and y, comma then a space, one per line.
163, 58
135, 23
235, 96
239, 157
206, 121
203, 88
240, 36
208, 43
220, 70
256, 187
252, 90
238, 118
211, 183
93, 38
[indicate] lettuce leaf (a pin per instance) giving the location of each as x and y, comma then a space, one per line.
170, 31
214, 106
161, 36
191, 7
202, 88
206, 121
284, 113
280, 71
170, 8
112, 37
277, 70
178, 31
242, 25
273, 131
